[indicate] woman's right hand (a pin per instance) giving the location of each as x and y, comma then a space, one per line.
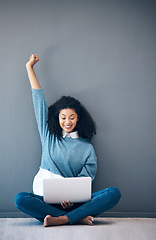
33, 60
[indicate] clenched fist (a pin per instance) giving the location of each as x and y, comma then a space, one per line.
33, 60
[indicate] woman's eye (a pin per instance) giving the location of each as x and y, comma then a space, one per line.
72, 118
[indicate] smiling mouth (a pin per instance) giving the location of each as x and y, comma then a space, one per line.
68, 126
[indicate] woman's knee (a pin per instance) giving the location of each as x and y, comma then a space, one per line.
115, 192
19, 199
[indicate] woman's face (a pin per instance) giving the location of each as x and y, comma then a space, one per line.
68, 119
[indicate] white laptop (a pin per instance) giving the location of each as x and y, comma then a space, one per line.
76, 189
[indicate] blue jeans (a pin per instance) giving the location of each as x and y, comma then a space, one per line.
34, 205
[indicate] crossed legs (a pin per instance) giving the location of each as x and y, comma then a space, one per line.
34, 206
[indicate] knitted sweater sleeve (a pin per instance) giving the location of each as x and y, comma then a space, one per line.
41, 112
90, 166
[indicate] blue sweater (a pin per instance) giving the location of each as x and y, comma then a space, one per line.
67, 157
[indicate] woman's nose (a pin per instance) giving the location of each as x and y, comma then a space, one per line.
68, 121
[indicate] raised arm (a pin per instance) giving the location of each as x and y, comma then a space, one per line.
31, 74
39, 102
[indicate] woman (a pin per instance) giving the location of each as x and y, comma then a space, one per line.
65, 129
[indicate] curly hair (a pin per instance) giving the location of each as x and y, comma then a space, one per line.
86, 126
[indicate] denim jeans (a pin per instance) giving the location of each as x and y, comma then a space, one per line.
34, 205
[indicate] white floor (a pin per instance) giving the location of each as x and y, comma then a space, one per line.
104, 228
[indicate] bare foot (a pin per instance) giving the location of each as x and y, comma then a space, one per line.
87, 220
54, 221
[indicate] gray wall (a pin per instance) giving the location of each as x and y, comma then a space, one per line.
101, 52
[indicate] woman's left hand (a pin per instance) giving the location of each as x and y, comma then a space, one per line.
67, 204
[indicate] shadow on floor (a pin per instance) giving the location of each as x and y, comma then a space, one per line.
102, 222
27, 223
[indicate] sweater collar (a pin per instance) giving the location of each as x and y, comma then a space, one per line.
73, 135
